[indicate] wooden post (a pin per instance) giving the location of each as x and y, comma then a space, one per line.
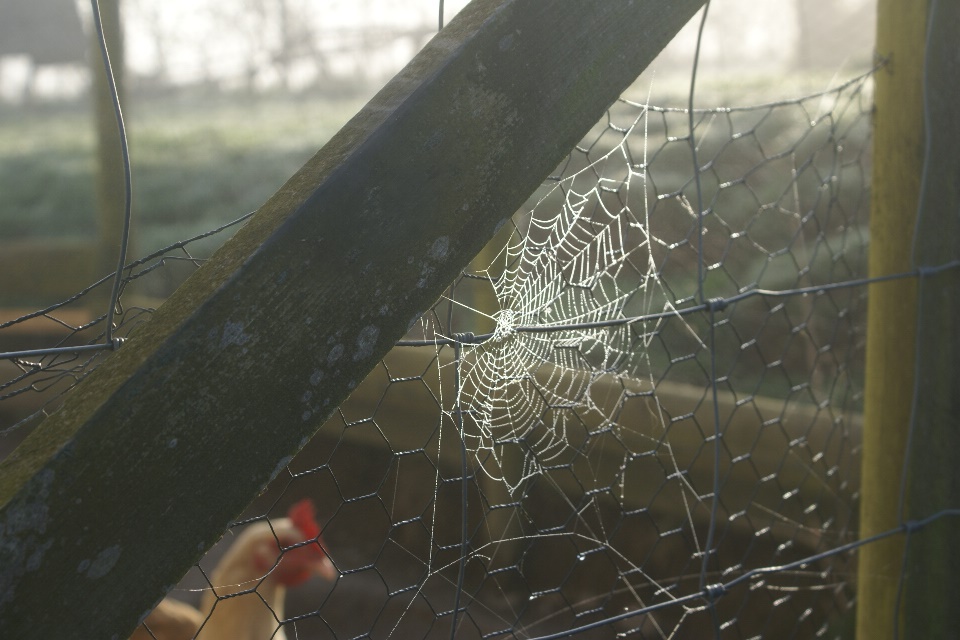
891, 320
933, 569
110, 181
110, 500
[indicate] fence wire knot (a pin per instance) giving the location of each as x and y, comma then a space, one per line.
715, 591
911, 526
717, 304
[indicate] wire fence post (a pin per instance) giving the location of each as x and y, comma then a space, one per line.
891, 316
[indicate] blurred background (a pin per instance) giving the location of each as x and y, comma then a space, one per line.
224, 101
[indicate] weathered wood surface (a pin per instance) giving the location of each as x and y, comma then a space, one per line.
933, 573
891, 317
109, 501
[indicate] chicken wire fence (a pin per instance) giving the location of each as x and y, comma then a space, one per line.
636, 413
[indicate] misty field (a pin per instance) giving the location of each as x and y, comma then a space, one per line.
198, 161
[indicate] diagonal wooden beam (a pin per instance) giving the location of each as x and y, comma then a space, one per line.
111, 499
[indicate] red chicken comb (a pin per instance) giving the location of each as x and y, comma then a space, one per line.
303, 515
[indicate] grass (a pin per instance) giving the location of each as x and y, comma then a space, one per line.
197, 162
46, 170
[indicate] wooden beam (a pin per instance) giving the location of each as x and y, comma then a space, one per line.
891, 310
111, 500
798, 442
79, 263
933, 571
770, 448
109, 176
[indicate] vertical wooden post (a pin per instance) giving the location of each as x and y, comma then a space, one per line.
891, 319
110, 180
933, 568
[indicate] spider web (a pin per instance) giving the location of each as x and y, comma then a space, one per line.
581, 371
576, 286
561, 355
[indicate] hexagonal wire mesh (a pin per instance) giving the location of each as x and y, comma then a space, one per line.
575, 438
573, 363
540, 454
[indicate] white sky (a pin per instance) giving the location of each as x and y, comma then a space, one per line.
193, 40
209, 36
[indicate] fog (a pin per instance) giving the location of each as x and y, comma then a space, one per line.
298, 45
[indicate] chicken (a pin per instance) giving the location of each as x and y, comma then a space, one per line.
250, 583
170, 620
